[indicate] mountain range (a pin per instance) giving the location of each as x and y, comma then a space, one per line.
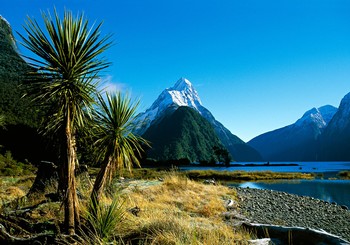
183, 94
321, 134
298, 141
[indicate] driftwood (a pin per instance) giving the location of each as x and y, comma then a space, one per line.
42, 238
23, 227
294, 235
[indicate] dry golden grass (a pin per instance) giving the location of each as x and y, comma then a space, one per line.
245, 176
180, 211
12, 188
175, 211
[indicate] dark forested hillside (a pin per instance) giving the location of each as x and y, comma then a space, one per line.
182, 134
22, 118
12, 73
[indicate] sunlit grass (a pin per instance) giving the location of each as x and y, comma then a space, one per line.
180, 211
12, 188
245, 176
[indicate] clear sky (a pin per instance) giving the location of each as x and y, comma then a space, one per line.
257, 65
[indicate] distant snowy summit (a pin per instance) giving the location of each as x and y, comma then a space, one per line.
320, 117
298, 141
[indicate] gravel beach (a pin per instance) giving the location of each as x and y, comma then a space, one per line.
280, 208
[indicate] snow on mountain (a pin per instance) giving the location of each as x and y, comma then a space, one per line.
181, 94
296, 141
319, 117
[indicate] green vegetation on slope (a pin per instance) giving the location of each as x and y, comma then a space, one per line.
185, 134
21, 118
12, 70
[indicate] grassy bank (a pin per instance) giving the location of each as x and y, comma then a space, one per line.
244, 176
180, 211
154, 173
176, 210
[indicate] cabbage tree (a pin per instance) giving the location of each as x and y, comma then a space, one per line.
66, 57
117, 147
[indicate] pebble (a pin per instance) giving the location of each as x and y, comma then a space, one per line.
280, 208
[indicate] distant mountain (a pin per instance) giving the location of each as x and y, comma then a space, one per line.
298, 141
181, 134
335, 140
184, 94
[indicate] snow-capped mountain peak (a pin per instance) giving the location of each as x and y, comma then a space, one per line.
182, 84
184, 94
181, 94
317, 116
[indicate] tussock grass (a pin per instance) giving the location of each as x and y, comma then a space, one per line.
13, 188
180, 211
102, 220
176, 210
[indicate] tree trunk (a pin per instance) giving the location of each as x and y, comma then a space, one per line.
100, 181
46, 179
71, 199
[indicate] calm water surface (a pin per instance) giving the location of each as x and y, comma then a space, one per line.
329, 190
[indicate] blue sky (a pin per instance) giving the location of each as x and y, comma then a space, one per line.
257, 65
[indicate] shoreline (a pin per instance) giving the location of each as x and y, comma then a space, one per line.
284, 209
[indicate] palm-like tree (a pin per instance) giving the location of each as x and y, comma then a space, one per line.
116, 145
66, 65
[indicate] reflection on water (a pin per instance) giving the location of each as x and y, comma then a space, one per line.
329, 190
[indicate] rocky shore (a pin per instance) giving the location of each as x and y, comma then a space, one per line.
280, 208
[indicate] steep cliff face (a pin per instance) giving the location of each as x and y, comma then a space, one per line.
335, 141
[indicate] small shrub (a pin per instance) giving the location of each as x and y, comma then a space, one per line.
103, 219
